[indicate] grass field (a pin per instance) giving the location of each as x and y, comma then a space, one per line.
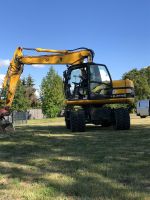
43, 161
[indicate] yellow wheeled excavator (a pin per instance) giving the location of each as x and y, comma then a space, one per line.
88, 88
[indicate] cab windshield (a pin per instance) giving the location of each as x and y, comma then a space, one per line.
100, 79
99, 73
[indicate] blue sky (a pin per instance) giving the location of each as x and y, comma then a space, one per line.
117, 30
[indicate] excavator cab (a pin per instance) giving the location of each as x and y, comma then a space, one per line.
88, 81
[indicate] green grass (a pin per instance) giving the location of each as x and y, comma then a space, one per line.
43, 161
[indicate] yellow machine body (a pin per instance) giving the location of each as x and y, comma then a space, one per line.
122, 91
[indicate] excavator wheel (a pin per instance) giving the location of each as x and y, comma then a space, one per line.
67, 119
67, 122
81, 124
106, 124
77, 121
121, 119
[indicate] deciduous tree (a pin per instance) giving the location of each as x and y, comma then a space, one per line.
141, 80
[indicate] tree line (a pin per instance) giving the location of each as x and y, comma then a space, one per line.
141, 80
51, 97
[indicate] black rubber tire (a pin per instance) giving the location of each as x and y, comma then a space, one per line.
143, 116
106, 124
121, 119
81, 122
67, 122
67, 119
74, 121
77, 121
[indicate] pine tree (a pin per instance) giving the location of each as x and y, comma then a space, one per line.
52, 94
30, 92
21, 102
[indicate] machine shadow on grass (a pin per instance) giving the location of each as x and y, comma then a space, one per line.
99, 163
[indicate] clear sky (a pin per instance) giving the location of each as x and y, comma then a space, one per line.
117, 30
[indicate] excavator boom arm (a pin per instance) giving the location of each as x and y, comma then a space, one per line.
69, 57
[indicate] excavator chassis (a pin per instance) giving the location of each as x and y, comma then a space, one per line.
76, 118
